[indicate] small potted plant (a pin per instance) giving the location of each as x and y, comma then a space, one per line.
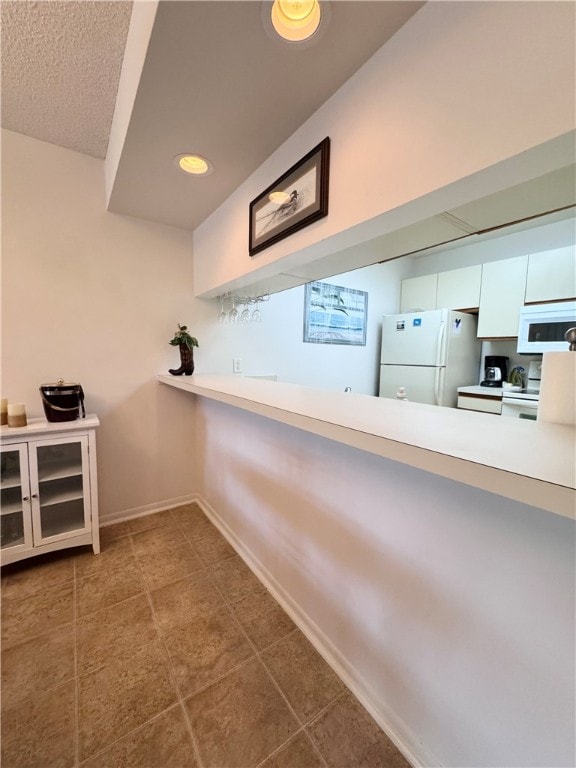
185, 344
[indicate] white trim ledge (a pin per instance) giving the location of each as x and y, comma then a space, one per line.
531, 462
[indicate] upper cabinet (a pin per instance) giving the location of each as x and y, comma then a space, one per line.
459, 288
498, 289
418, 293
501, 296
551, 275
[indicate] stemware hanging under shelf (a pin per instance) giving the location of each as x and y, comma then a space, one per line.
245, 317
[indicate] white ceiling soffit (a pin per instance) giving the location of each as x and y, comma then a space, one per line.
545, 199
215, 82
61, 64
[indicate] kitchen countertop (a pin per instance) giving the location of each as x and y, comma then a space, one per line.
531, 462
495, 392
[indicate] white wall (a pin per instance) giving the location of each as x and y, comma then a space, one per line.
94, 297
100, 294
276, 347
448, 609
461, 87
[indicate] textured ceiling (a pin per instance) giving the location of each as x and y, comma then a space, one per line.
61, 64
215, 80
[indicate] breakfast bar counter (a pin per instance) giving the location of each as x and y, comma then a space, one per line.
534, 463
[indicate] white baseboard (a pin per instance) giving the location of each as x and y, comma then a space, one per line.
361, 689
147, 509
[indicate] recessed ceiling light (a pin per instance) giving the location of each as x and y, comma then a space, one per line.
194, 164
295, 20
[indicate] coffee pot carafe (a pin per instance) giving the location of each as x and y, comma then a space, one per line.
495, 371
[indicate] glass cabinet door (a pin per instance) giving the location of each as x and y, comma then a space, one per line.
58, 469
15, 523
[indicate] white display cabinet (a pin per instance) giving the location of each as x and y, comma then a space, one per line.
48, 483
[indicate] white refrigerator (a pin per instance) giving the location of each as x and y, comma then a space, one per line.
430, 354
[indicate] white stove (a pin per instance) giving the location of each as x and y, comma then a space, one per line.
523, 403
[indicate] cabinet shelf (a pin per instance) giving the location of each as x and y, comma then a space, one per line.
11, 530
10, 480
64, 490
11, 501
10, 508
7, 542
64, 518
55, 470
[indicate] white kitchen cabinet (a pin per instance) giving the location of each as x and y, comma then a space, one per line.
551, 275
501, 297
418, 293
459, 288
49, 488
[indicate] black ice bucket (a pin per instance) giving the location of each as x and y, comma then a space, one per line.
62, 401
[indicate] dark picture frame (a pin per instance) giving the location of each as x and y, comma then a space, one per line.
301, 198
334, 314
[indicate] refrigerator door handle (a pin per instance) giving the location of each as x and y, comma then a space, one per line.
437, 375
439, 343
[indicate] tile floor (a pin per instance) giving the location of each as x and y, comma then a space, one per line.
165, 651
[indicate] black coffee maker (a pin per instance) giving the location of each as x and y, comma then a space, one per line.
495, 371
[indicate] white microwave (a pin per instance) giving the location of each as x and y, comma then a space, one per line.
542, 327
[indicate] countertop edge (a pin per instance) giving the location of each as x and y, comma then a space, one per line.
551, 496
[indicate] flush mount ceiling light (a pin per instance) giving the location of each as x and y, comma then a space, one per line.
296, 20
194, 164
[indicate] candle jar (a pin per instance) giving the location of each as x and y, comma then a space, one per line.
17, 415
4, 411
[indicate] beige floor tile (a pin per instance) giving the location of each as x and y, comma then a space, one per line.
38, 614
109, 533
114, 554
298, 753
156, 540
37, 665
31, 576
213, 548
302, 674
241, 719
187, 512
195, 524
233, 578
108, 587
262, 618
39, 732
181, 602
348, 737
147, 522
205, 649
114, 633
163, 743
118, 698
167, 567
